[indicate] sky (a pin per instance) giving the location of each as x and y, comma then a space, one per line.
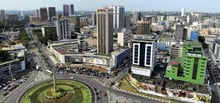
130, 5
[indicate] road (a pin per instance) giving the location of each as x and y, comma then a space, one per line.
93, 82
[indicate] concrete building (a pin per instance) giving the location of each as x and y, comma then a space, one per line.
179, 32
124, 37
176, 51
183, 12
215, 48
71, 10
16, 64
191, 67
94, 19
12, 18
118, 17
74, 20
37, 13
51, 12
136, 17
143, 25
66, 10
143, 60
63, 29
2, 14
43, 14
127, 21
104, 30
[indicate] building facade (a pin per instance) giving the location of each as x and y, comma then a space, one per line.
2, 14
124, 37
143, 60
104, 30
63, 29
143, 26
118, 17
71, 11
191, 67
66, 10
51, 12
43, 14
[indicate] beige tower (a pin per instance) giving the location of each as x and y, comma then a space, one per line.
104, 19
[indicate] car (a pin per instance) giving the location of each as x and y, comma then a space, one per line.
5, 88
5, 93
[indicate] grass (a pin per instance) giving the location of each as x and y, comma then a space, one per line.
37, 93
125, 85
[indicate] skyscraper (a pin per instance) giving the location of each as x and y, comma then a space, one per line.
94, 19
43, 14
65, 10
118, 17
37, 13
136, 16
2, 14
52, 12
183, 12
104, 30
71, 11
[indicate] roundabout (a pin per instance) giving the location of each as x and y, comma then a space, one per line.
67, 91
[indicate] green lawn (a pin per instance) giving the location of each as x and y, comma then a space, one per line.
37, 93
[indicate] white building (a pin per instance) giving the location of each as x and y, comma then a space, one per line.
183, 12
124, 37
63, 29
118, 17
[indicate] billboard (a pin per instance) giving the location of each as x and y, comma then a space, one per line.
92, 60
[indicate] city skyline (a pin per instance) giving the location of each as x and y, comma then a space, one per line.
130, 5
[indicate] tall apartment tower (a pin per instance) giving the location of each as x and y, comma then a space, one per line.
43, 14
2, 14
104, 30
63, 29
136, 16
65, 10
143, 26
118, 17
37, 13
71, 10
51, 12
94, 19
183, 12
143, 60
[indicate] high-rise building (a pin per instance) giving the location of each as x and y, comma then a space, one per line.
63, 29
191, 67
65, 10
127, 21
143, 60
43, 14
2, 14
183, 12
71, 11
179, 32
12, 18
136, 17
104, 30
118, 17
143, 26
94, 19
37, 13
52, 12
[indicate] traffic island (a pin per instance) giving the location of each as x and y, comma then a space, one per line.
67, 91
